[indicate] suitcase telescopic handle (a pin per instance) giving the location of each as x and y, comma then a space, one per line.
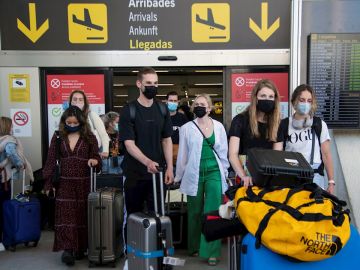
92, 179
161, 180
12, 182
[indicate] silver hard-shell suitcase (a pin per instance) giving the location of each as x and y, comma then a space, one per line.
105, 222
149, 236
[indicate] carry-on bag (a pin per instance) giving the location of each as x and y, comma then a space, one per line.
248, 257
109, 176
149, 236
278, 168
177, 212
21, 219
105, 222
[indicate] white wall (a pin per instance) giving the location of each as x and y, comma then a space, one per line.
32, 145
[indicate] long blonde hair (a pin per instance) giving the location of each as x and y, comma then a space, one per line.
5, 125
272, 119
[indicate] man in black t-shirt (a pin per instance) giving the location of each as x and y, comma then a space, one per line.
146, 132
177, 119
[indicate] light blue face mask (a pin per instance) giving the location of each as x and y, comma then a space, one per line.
172, 106
303, 108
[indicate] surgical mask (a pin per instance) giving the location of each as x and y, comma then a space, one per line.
200, 111
71, 129
150, 91
172, 106
265, 105
303, 108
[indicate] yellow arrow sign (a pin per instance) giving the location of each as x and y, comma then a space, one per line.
264, 32
33, 33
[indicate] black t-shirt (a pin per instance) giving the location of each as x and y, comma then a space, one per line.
240, 127
148, 129
177, 121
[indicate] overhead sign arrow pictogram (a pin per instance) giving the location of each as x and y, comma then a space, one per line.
264, 32
33, 33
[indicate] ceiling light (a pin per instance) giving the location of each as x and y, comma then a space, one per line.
205, 84
118, 84
118, 106
161, 71
160, 95
121, 95
210, 70
166, 84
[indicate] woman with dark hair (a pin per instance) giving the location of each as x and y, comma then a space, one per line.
112, 164
78, 151
305, 133
257, 126
79, 99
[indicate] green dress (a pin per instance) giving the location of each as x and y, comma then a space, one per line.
208, 198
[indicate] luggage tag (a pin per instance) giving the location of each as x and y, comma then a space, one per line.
173, 261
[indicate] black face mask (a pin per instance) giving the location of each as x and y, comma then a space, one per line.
265, 105
150, 91
71, 129
200, 111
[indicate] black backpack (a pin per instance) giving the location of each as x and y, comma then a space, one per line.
316, 127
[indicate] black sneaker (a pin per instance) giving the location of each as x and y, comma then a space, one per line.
68, 258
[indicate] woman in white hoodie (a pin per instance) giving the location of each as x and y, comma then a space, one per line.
202, 169
79, 99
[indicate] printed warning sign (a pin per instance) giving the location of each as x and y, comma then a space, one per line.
21, 119
19, 88
87, 23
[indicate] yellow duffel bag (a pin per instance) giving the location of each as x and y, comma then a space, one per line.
305, 223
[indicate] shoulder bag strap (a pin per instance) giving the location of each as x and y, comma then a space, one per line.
212, 147
57, 147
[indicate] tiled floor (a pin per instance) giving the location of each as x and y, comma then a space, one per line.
41, 258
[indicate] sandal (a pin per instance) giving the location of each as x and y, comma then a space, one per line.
213, 261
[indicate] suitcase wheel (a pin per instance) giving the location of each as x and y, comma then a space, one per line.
113, 264
11, 248
35, 243
91, 265
26, 244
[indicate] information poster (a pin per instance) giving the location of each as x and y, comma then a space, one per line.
59, 87
243, 83
19, 88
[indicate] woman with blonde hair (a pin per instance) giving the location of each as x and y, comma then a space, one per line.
79, 99
307, 134
256, 127
202, 169
11, 155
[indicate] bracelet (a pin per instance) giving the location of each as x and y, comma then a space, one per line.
331, 182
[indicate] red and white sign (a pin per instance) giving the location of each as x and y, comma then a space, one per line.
21, 119
59, 87
243, 83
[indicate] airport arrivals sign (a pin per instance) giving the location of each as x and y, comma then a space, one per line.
144, 25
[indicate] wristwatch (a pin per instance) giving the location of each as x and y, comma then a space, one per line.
331, 182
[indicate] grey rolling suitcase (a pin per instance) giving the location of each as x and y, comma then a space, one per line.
105, 222
149, 236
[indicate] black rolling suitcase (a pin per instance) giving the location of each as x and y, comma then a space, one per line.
177, 211
278, 168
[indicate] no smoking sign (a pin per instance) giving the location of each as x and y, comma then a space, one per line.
22, 122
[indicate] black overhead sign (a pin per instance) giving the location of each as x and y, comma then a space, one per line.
144, 25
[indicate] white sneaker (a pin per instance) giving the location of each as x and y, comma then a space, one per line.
125, 265
2, 248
